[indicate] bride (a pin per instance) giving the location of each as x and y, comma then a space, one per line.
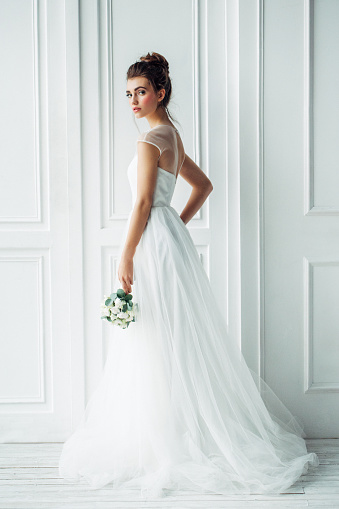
177, 407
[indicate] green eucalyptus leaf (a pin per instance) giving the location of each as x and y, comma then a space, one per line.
108, 302
121, 293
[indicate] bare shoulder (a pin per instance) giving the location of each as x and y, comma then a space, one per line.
193, 174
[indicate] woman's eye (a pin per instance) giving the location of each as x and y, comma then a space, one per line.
129, 95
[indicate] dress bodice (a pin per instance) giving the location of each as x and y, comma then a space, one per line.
164, 187
171, 152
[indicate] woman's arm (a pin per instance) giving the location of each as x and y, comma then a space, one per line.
148, 156
202, 187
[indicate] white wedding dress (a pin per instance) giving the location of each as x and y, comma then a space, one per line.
177, 408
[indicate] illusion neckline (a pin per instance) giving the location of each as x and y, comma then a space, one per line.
168, 125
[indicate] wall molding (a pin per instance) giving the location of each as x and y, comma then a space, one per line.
105, 15
39, 31
309, 208
43, 305
309, 385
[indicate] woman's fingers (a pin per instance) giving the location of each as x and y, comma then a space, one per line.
126, 286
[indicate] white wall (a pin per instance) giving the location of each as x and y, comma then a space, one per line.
300, 130
68, 136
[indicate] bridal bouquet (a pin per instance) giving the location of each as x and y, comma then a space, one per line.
119, 309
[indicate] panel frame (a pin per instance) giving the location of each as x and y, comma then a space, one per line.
309, 385
309, 208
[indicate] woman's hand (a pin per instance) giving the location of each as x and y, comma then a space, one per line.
125, 273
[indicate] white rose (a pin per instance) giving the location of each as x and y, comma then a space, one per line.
105, 312
115, 310
123, 315
118, 302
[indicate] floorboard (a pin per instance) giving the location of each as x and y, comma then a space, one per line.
29, 479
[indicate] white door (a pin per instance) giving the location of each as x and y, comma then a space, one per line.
300, 340
109, 138
35, 222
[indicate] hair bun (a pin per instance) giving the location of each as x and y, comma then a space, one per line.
156, 58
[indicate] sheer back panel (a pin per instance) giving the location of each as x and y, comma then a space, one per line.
171, 150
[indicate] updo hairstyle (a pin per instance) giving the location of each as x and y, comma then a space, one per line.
155, 68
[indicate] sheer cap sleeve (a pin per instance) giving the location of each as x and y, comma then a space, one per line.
154, 138
164, 138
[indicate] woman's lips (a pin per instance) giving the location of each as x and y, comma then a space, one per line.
136, 109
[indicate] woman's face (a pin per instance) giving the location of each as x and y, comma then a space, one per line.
141, 96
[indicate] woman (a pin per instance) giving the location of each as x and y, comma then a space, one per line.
177, 407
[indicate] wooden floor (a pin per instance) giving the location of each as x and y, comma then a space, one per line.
29, 479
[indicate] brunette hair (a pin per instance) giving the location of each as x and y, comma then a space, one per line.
155, 68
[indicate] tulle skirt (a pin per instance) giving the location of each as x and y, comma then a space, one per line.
177, 407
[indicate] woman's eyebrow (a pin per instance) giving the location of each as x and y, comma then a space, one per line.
137, 88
